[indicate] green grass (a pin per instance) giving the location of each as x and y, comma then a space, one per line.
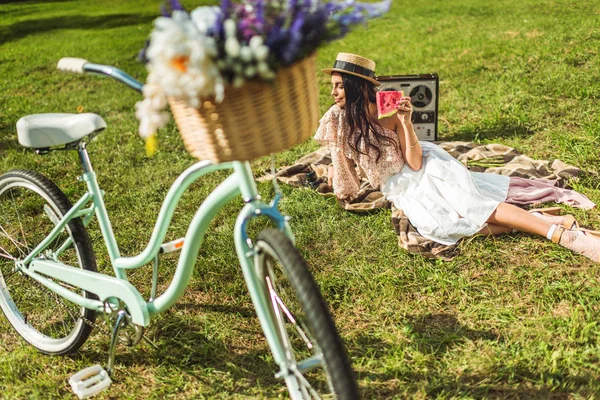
510, 317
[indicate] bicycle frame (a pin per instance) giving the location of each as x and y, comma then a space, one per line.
240, 182
116, 296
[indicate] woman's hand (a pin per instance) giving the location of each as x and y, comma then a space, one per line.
404, 110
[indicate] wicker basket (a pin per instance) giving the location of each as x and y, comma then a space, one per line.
257, 119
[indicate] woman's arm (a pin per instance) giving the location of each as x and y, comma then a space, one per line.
409, 142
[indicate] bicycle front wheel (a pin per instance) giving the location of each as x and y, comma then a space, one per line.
30, 207
316, 359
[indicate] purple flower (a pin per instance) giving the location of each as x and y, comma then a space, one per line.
292, 50
250, 26
169, 6
225, 5
290, 29
260, 11
292, 5
142, 56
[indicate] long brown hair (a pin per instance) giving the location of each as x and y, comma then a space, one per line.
359, 94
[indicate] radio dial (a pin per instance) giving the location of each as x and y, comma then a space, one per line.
424, 117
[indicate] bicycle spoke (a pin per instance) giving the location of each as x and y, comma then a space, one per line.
19, 219
45, 319
14, 241
5, 254
68, 286
61, 304
305, 384
52, 323
279, 318
290, 317
68, 310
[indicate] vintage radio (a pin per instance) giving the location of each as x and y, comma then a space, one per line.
423, 90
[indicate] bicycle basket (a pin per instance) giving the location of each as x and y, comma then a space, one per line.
255, 120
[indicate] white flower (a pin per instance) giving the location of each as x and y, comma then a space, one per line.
255, 42
232, 47
245, 53
261, 53
250, 71
264, 71
259, 50
181, 65
238, 81
205, 17
149, 113
230, 28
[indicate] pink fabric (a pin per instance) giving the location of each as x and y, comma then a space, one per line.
530, 191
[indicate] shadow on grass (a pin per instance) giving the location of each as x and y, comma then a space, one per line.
21, 29
478, 387
186, 346
432, 334
245, 312
7, 143
497, 130
437, 334
8, 137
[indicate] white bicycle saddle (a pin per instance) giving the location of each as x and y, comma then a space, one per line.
56, 129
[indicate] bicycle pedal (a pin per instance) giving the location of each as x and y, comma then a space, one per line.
89, 381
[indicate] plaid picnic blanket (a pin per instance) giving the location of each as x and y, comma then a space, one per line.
532, 182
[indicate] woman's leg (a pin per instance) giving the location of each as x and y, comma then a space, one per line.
510, 216
493, 230
514, 217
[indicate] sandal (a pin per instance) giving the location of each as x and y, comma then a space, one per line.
548, 210
557, 235
569, 222
589, 232
552, 215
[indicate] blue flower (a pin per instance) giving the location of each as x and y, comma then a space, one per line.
375, 10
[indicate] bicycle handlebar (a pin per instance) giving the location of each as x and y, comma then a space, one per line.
80, 66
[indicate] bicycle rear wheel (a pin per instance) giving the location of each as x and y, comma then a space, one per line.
317, 362
30, 206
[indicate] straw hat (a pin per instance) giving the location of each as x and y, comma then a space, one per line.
354, 65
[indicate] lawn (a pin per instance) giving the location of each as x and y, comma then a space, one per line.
509, 317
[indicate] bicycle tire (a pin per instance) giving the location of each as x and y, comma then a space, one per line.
295, 282
30, 204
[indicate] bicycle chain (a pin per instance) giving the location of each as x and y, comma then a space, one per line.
88, 322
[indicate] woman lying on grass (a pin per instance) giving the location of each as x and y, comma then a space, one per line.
442, 199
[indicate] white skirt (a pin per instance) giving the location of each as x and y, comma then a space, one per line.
443, 200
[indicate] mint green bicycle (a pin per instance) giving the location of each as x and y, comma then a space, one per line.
51, 292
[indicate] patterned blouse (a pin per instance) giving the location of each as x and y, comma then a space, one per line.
333, 132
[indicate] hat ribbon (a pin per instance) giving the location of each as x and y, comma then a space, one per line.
348, 66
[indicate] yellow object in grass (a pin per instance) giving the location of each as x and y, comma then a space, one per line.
151, 145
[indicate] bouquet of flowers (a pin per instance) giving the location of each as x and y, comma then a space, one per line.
194, 56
